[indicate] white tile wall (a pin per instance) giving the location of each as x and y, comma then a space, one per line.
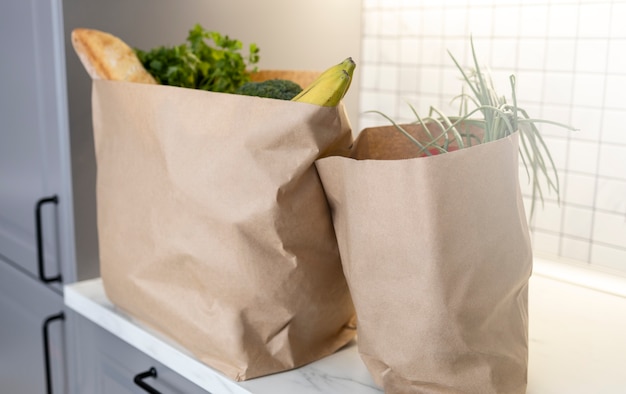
569, 57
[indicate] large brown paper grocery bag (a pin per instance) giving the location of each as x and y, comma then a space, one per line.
213, 225
437, 255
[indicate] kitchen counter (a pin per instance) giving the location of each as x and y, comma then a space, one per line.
577, 341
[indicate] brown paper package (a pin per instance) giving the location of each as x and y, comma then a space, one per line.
437, 255
213, 225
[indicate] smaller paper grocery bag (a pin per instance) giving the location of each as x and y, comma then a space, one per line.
213, 225
437, 256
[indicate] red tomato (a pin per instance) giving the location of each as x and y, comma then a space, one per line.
436, 151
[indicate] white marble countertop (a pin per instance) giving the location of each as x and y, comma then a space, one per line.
577, 342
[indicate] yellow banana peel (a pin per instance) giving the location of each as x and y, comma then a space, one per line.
330, 87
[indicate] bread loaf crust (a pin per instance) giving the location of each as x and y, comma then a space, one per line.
106, 56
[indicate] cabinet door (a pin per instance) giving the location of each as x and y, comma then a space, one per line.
25, 304
32, 142
104, 364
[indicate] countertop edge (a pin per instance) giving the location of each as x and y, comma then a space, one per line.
80, 297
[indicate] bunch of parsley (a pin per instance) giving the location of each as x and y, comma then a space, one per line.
208, 60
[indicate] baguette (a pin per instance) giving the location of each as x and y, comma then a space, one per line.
106, 56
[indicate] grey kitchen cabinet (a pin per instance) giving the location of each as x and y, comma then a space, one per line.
107, 365
29, 309
36, 229
33, 145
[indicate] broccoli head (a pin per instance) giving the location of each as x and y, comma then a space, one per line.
281, 89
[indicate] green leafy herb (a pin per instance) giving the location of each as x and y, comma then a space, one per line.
208, 60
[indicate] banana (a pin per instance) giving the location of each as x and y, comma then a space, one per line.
348, 65
327, 92
331, 85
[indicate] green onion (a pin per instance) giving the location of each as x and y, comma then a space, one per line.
498, 119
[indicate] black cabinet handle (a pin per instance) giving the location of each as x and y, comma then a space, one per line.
40, 254
46, 348
151, 373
